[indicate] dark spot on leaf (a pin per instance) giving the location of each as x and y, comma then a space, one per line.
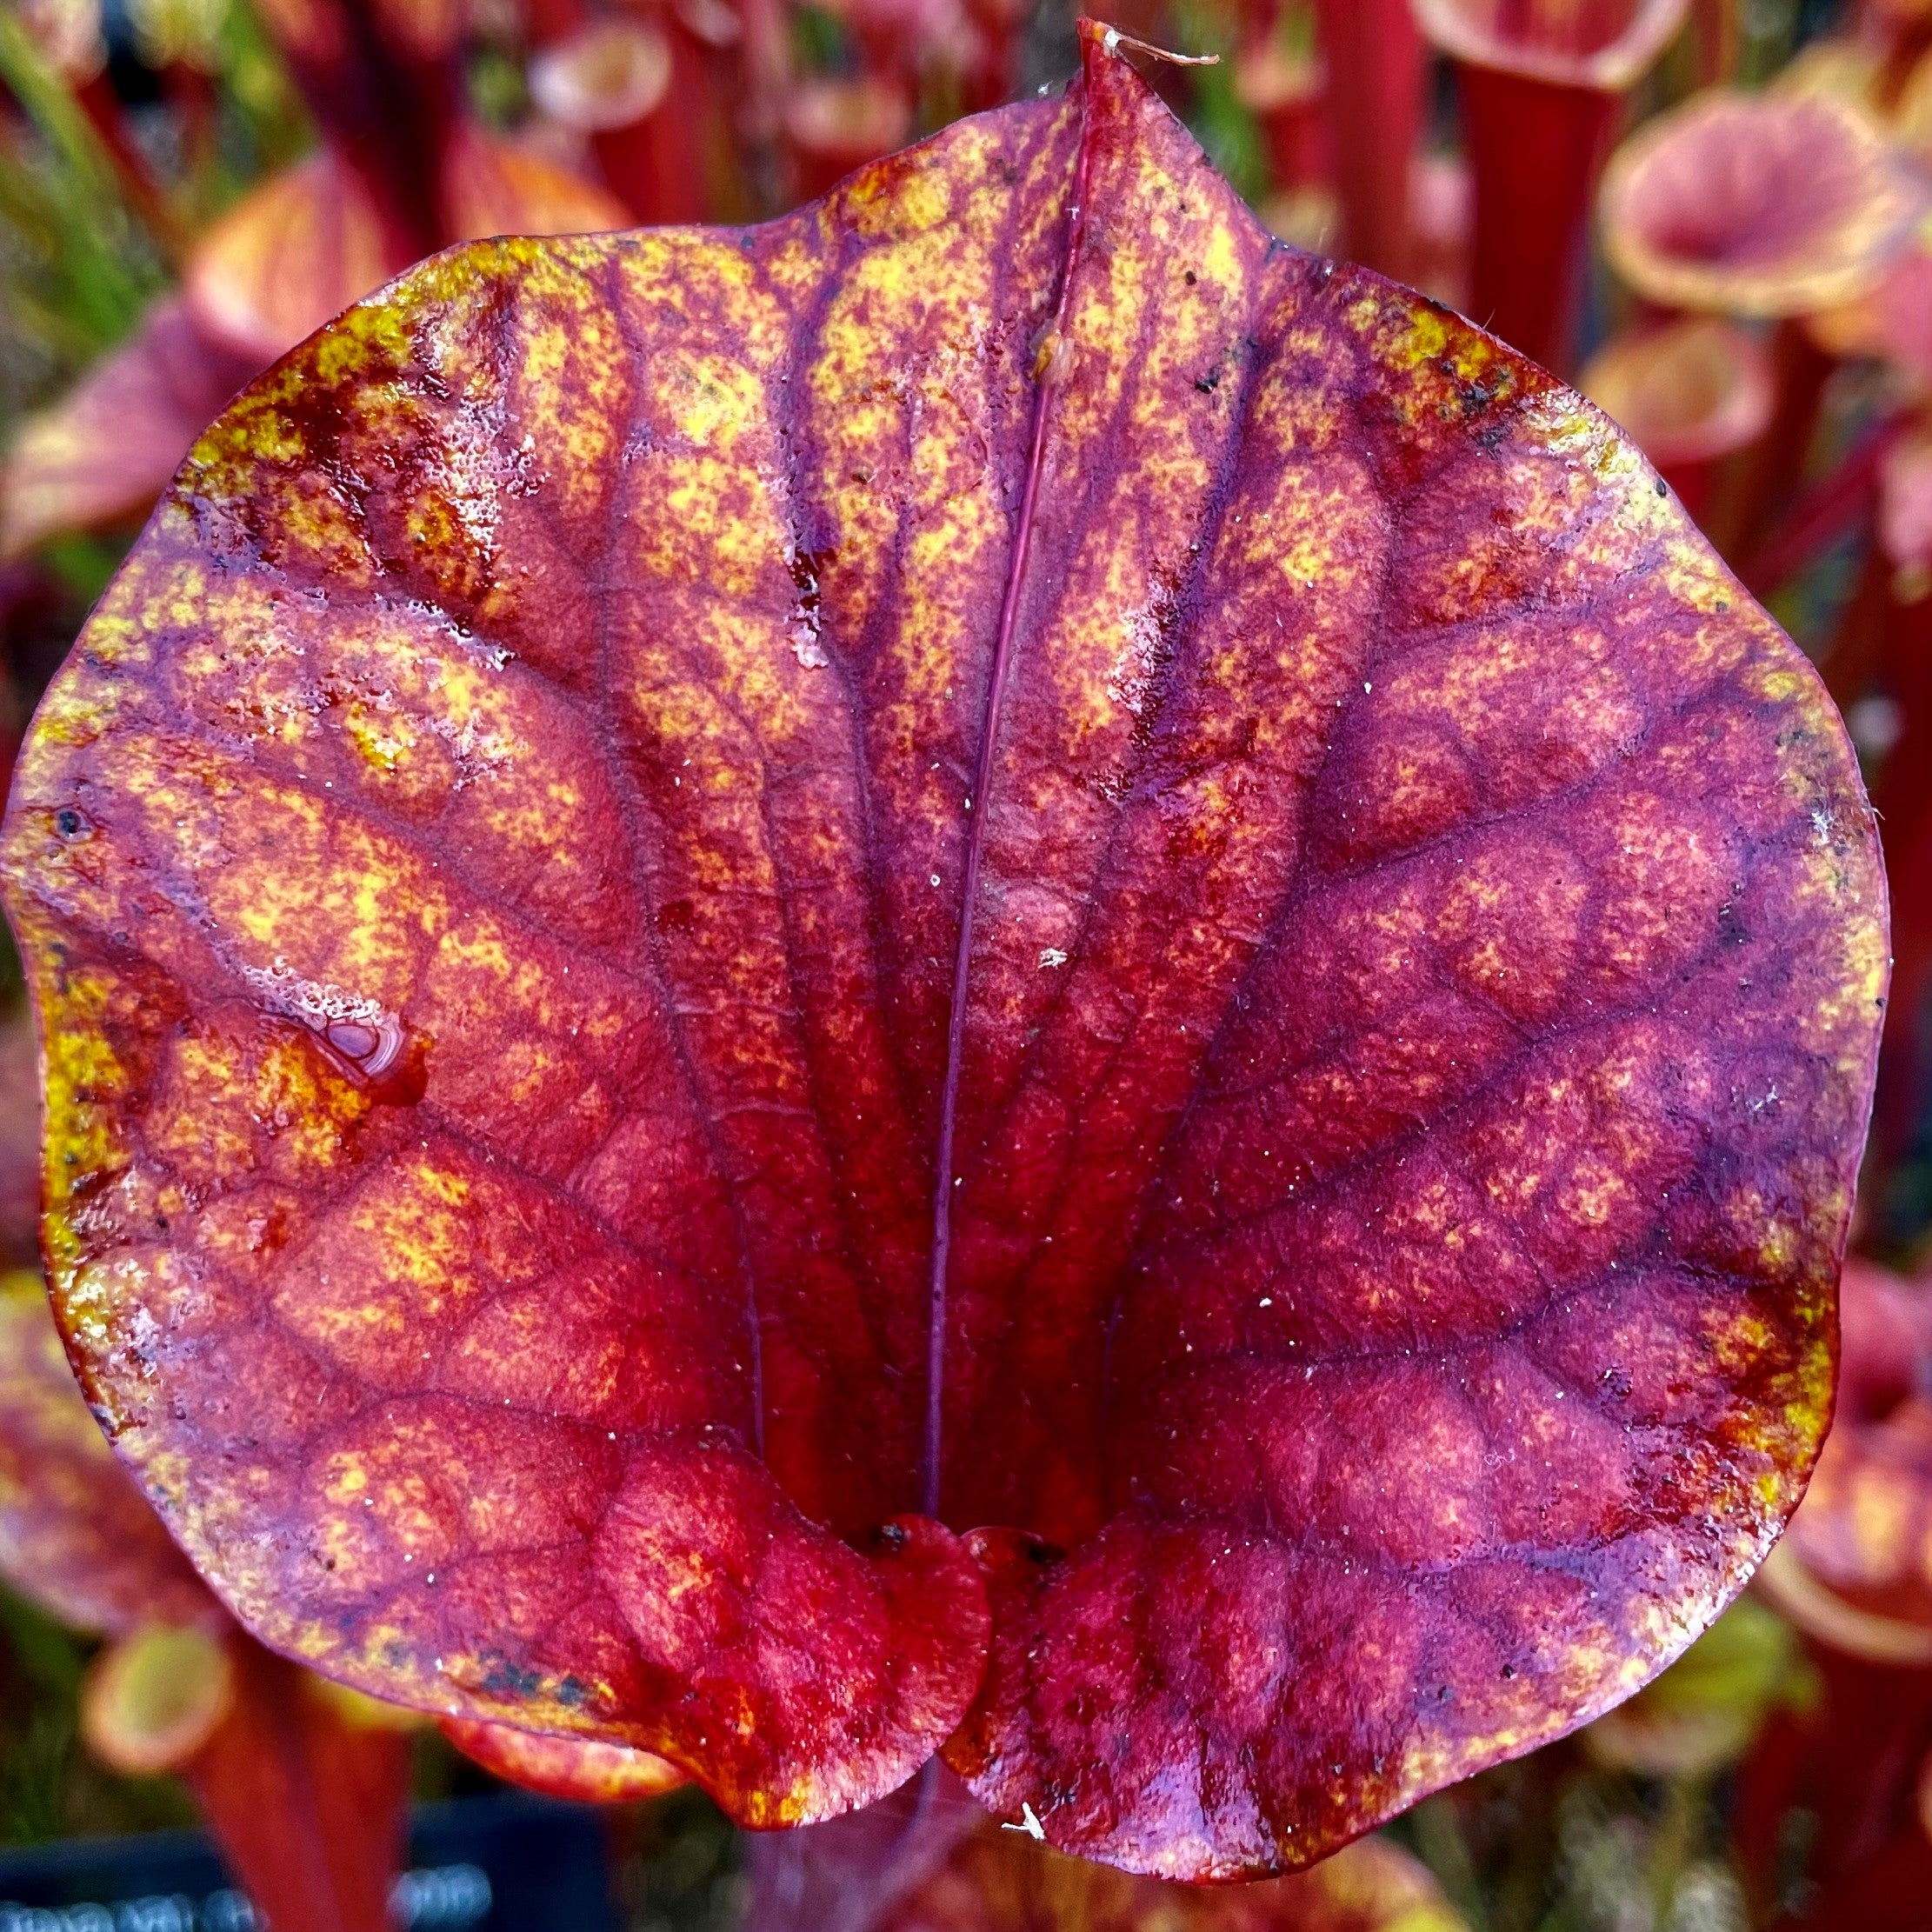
506, 1679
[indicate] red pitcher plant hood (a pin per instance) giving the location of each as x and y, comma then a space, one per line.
992, 972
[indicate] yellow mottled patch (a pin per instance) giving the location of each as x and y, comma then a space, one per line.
385, 742
1427, 333
257, 430
82, 1080
74, 714
372, 334
96, 1299
909, 197
1774, 685
711, 398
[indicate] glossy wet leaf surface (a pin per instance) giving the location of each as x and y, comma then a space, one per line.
1343, 1291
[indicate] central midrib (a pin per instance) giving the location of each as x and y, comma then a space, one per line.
1049, 370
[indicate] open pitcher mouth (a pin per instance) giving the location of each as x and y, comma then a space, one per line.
1769, 204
